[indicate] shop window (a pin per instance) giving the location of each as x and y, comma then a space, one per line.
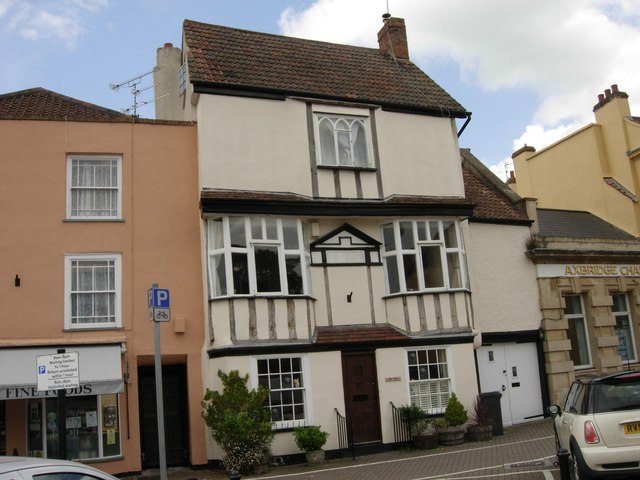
92, 427
578, 332
429, 379
624, 328
3, 429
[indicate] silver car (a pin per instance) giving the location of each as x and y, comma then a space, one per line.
600, 426
27, 468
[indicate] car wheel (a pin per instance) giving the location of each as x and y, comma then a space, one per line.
577, 470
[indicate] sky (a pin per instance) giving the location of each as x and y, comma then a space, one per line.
530, 71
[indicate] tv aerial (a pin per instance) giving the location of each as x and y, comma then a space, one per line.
134, 83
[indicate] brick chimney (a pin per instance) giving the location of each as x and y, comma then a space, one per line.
392, 38
608, 95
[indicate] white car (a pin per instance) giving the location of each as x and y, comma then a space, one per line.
600, 426
27, 468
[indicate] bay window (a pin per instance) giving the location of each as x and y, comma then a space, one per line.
423, 255
257, 256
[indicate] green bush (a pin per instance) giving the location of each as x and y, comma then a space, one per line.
455, 413
310, 438
417, 419
240, 421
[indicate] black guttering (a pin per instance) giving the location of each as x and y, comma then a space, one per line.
333, 208
274, 94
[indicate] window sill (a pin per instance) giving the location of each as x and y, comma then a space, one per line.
92, 329
346, 167
259, 296
93, 220
425, 292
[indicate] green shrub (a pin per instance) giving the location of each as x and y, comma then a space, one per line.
418, 419
455, 413
240, 421
310, 438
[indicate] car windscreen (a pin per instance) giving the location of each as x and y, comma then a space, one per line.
616, 395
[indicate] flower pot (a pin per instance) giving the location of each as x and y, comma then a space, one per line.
480, 433
425, 441
451, 436
315, 457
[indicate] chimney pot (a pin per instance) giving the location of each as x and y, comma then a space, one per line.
601, 98
168, 45
614, 88
607, 93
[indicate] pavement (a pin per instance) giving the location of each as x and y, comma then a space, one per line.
524, 452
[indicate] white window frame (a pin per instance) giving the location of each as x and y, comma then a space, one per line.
416, 250
306, 388
449, 378
580, 317
621, 315
349, 115
226, 251
88, 257
70, 187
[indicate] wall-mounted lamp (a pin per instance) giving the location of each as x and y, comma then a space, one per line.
16, 281
349, 297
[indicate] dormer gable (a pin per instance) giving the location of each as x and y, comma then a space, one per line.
346, 245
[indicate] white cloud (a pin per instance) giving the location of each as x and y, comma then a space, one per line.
565, 52
60, 20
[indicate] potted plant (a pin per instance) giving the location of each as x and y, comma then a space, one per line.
311, 440
455, 416
420, 426
481, 427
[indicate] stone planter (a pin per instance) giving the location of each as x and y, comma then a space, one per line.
315, 457
480, 433
425, 441
451, 436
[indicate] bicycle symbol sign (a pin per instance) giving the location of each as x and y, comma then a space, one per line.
161, 314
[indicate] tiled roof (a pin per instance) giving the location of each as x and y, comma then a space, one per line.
576, 224
228, 58
359, 334
43, 104
494, 201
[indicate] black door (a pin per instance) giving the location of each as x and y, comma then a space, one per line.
361, 396
175, 415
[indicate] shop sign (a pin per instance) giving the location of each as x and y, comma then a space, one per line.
17, 392
587, 270
58, 372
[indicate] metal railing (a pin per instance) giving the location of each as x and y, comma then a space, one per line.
345, 434
401, 426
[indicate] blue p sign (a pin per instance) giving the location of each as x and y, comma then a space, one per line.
159, 298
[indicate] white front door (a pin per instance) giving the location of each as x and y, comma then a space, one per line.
512, 369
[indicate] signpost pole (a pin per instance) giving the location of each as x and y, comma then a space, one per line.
162, 456
61, 422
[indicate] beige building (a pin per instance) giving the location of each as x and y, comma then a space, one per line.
594, 169
334, 222
588, 277
96, 208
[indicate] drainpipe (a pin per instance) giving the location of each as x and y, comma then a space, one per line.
465, 124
